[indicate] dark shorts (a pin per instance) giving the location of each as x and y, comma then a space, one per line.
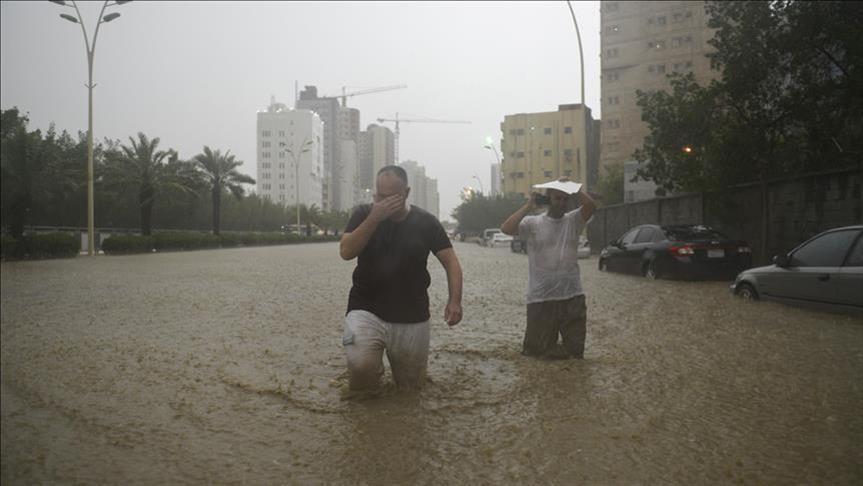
548, 320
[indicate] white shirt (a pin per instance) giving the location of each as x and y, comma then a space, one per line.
552, 250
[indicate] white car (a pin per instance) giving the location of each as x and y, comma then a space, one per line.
500, 238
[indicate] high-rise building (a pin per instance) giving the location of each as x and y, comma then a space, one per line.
538, 147
495, 181
328, 110
642, 42
345, 169
283, 177
424, 192
377, 150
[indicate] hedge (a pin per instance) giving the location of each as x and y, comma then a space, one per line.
38, 246
176, 240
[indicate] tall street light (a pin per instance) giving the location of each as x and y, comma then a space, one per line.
481, 190
488, 145
580, 53
91, 53
304, 147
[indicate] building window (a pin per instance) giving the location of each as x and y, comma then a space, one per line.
567, 129
519, 131
656, 68
546, 153
519, 155
547, 173
613, 100
520, 175
281, 165
612, 76
265, 155
568, 154
281, 175
660, 20
512, 131
265, 144
265, 133
615, 123
281, 133
611, 52
281, 155
546, 131
656, 44
612, 29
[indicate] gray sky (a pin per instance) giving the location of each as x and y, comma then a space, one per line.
195, 73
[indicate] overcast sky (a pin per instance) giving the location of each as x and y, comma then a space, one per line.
195, 73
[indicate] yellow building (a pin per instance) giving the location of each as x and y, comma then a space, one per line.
538, 147
642, 42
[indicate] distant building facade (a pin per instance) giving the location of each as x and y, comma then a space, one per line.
281, 130
495, 181
641, 43
328, 110
636, 191
376, 150
424, 190
538, 147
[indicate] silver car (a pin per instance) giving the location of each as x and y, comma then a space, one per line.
825, 272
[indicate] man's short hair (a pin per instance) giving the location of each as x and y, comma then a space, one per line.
396, 170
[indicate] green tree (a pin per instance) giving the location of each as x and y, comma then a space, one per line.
790, 99
23, 170
150, 172
479, 212
611, 185
220, 173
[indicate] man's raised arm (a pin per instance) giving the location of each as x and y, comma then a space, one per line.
510, 226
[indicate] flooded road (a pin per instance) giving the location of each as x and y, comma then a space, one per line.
226, 367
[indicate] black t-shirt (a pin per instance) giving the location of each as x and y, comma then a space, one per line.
391, 280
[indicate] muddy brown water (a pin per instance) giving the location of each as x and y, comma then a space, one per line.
225, 367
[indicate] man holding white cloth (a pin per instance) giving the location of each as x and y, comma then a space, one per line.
555, 298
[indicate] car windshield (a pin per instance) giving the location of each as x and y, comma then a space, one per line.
686, 233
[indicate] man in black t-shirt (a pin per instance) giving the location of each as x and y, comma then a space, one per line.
388, 306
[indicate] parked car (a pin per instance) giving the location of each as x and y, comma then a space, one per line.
487, 235
825, 271
499, 238
685, 251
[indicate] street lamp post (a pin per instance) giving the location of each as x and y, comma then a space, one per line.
305, 147
91, 53
481, 189
580, 53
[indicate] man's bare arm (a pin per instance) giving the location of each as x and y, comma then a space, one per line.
587, 205
510, 226
353, 243
449, 261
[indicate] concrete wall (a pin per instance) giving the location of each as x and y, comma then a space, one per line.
772, 218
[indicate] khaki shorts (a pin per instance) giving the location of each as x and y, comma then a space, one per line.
366, 337
550, 319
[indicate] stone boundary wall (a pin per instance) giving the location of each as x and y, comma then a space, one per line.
773, 217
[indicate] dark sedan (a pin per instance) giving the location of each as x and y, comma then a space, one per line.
683, 251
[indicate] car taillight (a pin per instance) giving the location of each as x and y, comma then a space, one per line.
744, 249
684, 250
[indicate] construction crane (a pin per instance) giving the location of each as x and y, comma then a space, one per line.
397, 120
344, 96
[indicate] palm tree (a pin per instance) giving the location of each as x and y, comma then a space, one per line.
311, 215
220, 172
143, 166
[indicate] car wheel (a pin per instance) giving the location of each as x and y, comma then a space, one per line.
650, 270
603, 265
746, 291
